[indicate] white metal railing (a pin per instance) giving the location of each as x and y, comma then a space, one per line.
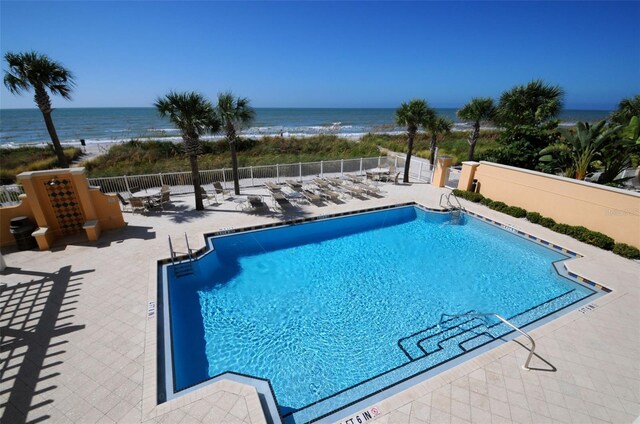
252, 176
9, 194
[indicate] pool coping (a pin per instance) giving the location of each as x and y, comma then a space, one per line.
150, 406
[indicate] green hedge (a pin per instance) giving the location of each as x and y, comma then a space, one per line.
577, 232
626, 251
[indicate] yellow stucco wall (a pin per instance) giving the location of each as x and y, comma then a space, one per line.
611, 211
99, 211
107, 208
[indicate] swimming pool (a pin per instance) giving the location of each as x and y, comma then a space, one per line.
333, 311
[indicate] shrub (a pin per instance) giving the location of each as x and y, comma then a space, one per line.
546, 222
515, 212
468, 195
596, 239
626, 251
486, 201
498, 206
563, 229
534, 217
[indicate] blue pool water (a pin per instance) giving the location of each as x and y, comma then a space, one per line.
332, 311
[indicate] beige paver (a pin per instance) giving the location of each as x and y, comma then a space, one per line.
77, 345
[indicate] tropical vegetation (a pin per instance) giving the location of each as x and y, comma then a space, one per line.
412, 115
24, 159
627, 109
438, 127
194, 116
234, 113
479, 110
527, 115
35, 71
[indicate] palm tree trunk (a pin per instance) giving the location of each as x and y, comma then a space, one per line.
195, 175
234, 167
473, 140
407, 162
44, 104
433, 145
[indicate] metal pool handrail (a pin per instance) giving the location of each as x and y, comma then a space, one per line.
449, 204
174, 253
533, 343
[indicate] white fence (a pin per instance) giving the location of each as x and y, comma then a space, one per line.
252, 176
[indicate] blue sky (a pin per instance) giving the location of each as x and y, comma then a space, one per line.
326, 54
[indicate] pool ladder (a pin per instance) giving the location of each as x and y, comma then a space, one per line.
456, 211
184, 268
504, 320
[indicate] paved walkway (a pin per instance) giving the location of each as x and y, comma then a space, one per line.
75, 336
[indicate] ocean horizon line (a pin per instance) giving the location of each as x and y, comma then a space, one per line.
289, 107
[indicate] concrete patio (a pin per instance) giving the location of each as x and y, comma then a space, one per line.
78, 340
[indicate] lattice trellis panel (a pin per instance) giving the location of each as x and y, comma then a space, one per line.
65, 205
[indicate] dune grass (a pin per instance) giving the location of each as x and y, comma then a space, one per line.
23, 159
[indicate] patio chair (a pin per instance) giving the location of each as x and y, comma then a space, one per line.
134, 189
330, 195
220, 190
165, 196
123, 201
208, 196
137, 205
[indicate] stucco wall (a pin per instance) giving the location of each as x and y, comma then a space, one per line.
612, 211
107, 209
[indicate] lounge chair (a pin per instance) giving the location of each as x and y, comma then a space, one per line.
281, 200
272, 187
138, 205
353, 178
294, 185
311, 196
330, 195
256, 204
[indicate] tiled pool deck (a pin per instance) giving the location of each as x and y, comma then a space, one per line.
78, 344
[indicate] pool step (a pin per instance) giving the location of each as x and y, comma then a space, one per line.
183, 269
410, 344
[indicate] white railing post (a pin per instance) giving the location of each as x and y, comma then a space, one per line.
161, 180
278, 173
395, 163
321, 169
300, 168
360, 173
224, 178
341, 167
379, 158
420, 171
126, 184
251, 169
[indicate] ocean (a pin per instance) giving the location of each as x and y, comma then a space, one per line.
110, 125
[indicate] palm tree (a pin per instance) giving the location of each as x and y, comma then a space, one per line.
412, 115
583, 147
32, 70
437, 126
233, 114
194, 116
627, 109
479, 109
531, 104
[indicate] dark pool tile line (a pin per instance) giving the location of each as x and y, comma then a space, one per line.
529, 236
303, 220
